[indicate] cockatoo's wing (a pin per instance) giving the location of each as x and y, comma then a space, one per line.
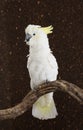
52, 68
42, 70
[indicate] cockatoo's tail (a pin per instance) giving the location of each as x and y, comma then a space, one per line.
42, 67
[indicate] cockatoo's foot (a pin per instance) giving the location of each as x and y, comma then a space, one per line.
47, 81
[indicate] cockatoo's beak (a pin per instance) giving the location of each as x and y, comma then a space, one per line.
27, 37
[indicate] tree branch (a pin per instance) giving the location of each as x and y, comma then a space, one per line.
33, 95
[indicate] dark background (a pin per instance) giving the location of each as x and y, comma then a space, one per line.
66, 44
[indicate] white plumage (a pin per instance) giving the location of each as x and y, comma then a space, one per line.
42, 67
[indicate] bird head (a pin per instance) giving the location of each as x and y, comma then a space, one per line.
35, 34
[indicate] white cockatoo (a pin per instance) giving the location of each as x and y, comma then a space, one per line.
42, 66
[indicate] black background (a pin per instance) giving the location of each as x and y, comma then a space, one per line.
66, 44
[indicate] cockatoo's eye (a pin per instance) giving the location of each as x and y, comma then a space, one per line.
34, 34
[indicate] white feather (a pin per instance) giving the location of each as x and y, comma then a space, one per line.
42, 66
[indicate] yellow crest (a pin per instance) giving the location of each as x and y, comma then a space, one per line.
48, 29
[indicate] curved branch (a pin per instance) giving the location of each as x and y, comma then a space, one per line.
33, 95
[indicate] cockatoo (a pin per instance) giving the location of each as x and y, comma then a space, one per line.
42, 67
